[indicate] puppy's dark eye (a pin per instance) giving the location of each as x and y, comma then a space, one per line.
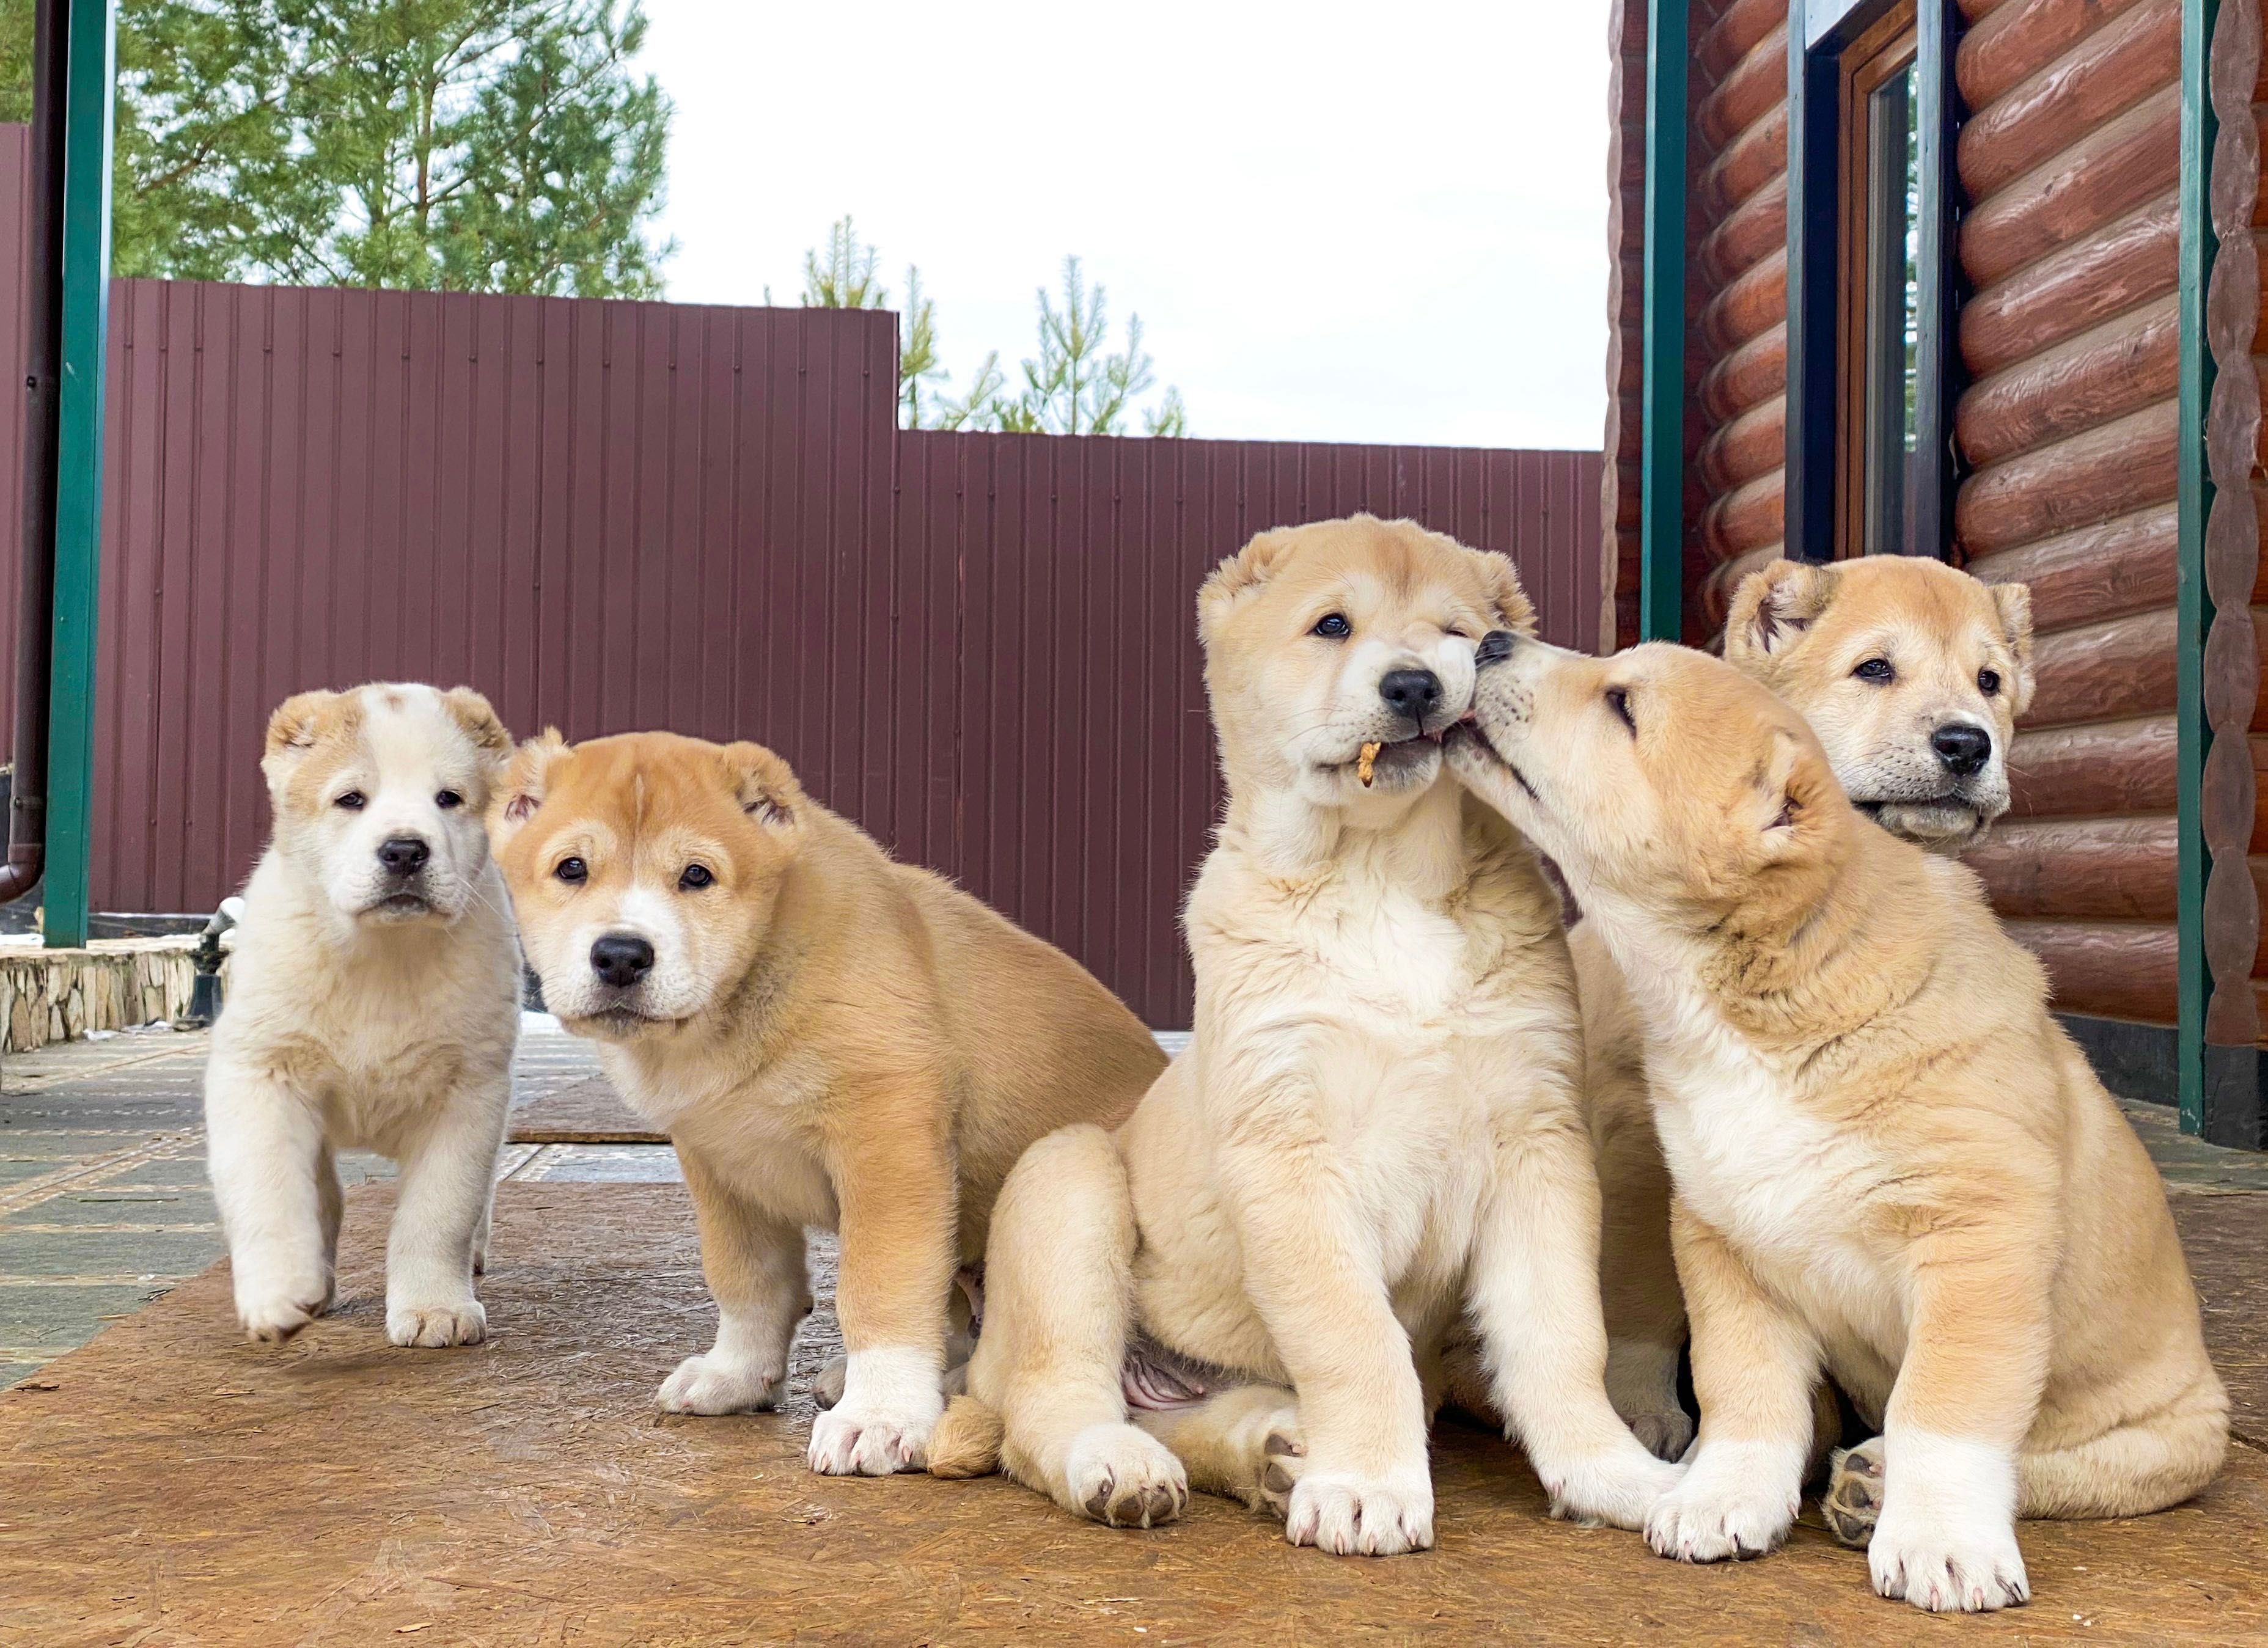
695, 877
1876, 670
1988, 682
574, 871
1332, 627
353, 801
1618, 701
448, 798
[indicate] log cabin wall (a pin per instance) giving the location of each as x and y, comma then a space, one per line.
1618, 480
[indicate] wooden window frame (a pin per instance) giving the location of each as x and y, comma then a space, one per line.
1823, 516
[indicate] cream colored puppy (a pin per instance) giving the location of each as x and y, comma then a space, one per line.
1376, 1123
1890, 1164
374, 1005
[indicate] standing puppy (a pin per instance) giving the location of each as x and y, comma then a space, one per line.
374, 1004
1376, 1124
1891, 1164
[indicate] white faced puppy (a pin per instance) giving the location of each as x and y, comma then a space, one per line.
1889, 1163
1375, 1125
373, 1005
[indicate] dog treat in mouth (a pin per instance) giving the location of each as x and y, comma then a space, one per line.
1365, 767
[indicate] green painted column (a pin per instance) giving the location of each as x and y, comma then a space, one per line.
78, 463
2194, 607
1661, 485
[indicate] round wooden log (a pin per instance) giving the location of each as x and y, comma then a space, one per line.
1757, 229
1751, 444
2021, 37
1748, 376
1749, 162
1746, 517
2117, 767
1735, 34
2109, 969
2108, 172
2115, 567
2109, 671
2124, 264
1750, 88
1724, 578
2120, 869
2111, 71
1754, 303
2129, 362
2100, 473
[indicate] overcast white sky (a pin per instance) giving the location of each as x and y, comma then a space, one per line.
1338, 222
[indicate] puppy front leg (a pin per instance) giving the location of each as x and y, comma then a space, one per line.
448, 1176
756, 1271
1755, 1364
265, 1143
1313, 1267
1977, 1360
895, 1183
1535, 1299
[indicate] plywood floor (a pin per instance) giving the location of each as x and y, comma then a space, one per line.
167, 1484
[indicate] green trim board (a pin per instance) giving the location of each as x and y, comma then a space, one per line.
1661, 484
93, 57
2194, 606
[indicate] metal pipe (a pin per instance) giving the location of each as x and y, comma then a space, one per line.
27, 808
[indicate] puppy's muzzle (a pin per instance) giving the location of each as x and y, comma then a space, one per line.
620, 959
403, 857
1963, 747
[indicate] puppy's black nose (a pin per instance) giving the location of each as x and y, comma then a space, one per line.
1415, 693
403, 855
1495, 647
1963, 747
622, 959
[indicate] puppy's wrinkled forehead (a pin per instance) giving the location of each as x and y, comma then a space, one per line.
637, 790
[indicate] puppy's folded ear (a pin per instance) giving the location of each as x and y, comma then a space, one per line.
1772, 608
469, 711
298, 721
2015, 604
1238, 577
765, 786
526, 777
1510, 608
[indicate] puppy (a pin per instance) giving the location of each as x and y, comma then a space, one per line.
374, 1006
1889, 1162
830, 1039
1912, 674
1376, 1122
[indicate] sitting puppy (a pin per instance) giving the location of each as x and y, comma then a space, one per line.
1889, 1162
1912, 674
1376, 1120
830, 1039
374, 1006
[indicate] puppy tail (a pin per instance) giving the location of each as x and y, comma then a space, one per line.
967, 1439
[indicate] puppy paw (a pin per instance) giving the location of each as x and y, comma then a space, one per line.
827, 1385
1853, 1498
856, 1439
1353, 1516
434, 1327
712, 1385
1283, 1460
1618, 1489
1124, 1477
1664, 1435
272, 1317
1944, 1568
1726, 1509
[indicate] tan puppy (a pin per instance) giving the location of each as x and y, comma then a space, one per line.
375, 1005
830, 1038
1912, 674
1890, 1163
1376, 1122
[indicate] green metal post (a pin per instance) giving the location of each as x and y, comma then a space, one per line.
1661, 527
2195, 605
78, 464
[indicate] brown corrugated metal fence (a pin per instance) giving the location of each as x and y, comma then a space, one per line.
612, 515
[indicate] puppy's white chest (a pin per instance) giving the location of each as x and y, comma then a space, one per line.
1389, 959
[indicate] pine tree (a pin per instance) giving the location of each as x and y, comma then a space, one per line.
845, 279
